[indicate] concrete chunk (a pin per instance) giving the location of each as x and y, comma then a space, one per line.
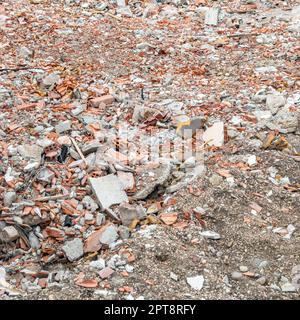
108, 190
45, 175
127, 179
128, 213
50, 80
274, 102
211, 16
73, 249
63, 126
288, 287
100, 219
98, 264
31, 152
9, 198
44, 143
196, 283
90, 147
31, 166
109, 235
9, 234
210, 235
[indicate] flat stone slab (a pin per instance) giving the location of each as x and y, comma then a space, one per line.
108, 190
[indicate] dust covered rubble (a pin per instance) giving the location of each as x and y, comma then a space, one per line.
70, 192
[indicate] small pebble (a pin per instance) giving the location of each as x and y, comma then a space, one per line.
235, 275
243, 268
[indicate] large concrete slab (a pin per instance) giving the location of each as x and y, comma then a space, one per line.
108, 190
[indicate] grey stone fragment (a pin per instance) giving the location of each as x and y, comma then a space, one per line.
210, 235
31, 166
259, 263
97, 264
266, 38
189, 163
9, 198
45, 175
44, 143
144, 193
34, 241
116, 261
100, 219
25, 52
129, 212
109, 235
88, 217
61, 275
215, 180
63, 126
50, 80
235, 275
73, 249
260, 96
267, 69
30, 152
196, 282
12, 151
90, 147
108, 190
262, 280
124, 232
174, 276
79, 109
2, 225
32, 287
296, 269
121, 3
296, 281
274, 102
9, 234
243, 268
284, 121
211, 16
74, 154
288, 287
89, 204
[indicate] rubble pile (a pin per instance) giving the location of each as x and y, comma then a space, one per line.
122, 120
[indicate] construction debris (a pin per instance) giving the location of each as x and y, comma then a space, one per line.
108, 190
196, 282
129, 130
73, 249
211, 16
214, 135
